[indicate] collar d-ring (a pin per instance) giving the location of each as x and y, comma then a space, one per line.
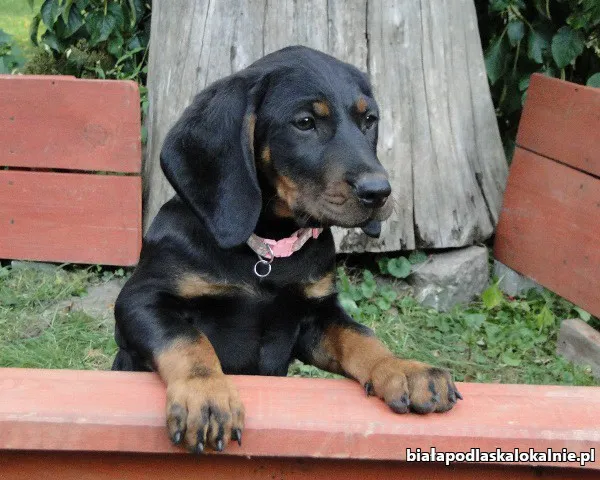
264, 261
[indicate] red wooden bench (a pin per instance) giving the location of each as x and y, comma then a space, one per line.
549, 227
70, 160
296, 428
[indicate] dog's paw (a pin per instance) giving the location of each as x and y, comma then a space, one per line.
204, 412
407, 385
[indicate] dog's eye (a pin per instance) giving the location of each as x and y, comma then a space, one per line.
305, 123
370, 120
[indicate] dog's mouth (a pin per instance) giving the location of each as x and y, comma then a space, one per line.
348, 214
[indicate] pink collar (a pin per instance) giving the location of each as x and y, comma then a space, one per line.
269, 249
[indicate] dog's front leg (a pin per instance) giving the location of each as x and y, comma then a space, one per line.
203, 407
335, 342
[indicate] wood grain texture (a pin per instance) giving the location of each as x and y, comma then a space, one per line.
438, 139
68, 123
41, 465
87, 411
550, 226
69, 217
561, 120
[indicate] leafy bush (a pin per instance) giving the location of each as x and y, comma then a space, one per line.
92, 39
559, 38
10, 55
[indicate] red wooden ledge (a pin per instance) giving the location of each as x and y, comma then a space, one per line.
86, 411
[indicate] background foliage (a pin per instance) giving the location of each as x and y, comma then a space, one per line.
559, 38
11, 58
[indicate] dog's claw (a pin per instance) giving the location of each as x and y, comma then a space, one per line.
369, 389
458, 395
219, 445
200, 448
451, 396
237, 436
177, 437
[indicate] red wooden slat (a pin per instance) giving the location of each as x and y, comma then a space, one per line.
561, 120
69, 123
36, 465
68, 217
549, 228
291, 417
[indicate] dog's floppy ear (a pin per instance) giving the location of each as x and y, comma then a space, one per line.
208, 157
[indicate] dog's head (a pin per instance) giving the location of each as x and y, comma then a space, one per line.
296, 132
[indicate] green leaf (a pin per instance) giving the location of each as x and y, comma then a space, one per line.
524, 83
399, 267
499, 5
545, 318
382, 263
66, 10
540, 6
116, 11
50, 10
417, 256
134, 43
475, 320
510, 359
34, 28
516, 32
567, 45
30, 3
50, 39
73, 22
538, 43
383, 304
495, 59
347, 303
492, 296
4, 70
368, 278
100, 26
594, 80
389, 294
585, 316
115, 44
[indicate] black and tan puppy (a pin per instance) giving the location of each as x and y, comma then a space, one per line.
287, 144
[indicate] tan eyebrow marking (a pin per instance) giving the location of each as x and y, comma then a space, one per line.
321, 109
361, 105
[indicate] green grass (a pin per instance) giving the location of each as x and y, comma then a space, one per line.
15, 18
36, 333
496, 339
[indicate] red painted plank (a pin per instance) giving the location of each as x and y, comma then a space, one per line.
32, 465
549, 228
561, 120
291, 417
69, 217
53, 122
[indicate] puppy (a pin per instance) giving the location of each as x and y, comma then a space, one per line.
237, 271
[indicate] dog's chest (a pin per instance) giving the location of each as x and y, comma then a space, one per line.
253, 332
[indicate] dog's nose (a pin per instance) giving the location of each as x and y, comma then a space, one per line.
372, 190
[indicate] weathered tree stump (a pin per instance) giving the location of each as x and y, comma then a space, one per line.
438, 136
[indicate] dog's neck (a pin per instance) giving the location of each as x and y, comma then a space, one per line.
270, 225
